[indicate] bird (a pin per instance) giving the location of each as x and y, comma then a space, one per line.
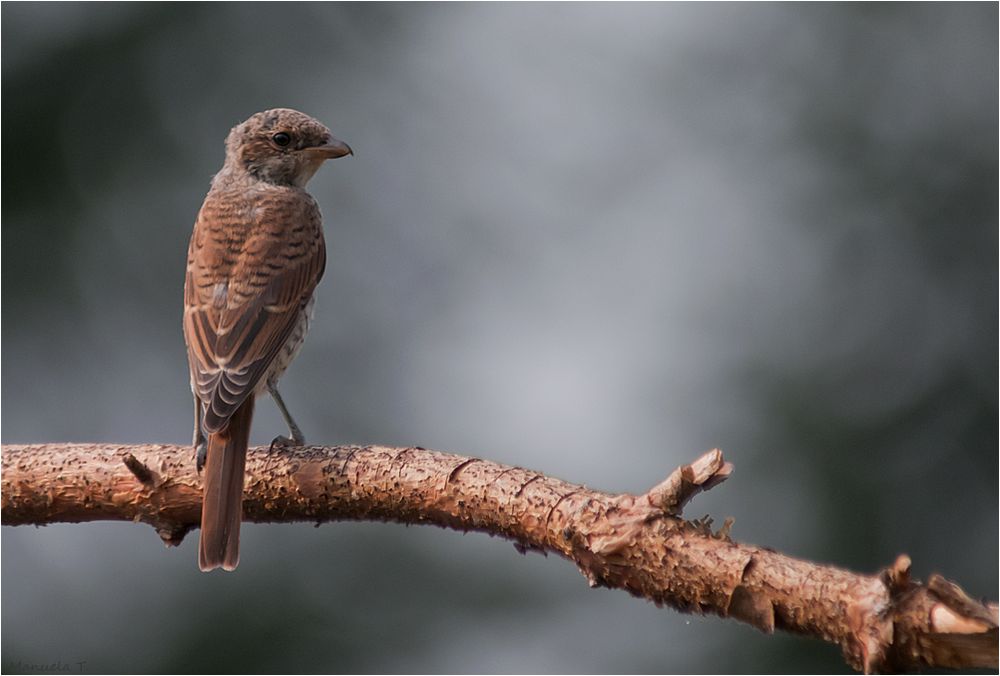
256, 254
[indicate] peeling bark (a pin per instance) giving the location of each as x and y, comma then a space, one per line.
882, 622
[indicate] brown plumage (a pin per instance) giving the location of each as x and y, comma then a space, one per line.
256, 256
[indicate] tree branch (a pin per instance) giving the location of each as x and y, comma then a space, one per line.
882, 622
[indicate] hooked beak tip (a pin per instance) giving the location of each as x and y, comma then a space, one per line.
331, 150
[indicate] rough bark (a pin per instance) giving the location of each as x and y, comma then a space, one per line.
883, 622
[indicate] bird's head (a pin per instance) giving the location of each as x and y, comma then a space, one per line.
282, 146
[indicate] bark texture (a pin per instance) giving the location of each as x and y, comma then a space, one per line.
883, 622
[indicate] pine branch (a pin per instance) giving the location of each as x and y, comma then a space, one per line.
883, 622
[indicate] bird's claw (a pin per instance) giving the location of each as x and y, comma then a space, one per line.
200, 455
280, 442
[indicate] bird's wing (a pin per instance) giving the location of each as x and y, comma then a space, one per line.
250, 273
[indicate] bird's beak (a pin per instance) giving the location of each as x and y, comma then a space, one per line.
330, 150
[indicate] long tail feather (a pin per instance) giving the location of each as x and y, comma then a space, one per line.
222, 506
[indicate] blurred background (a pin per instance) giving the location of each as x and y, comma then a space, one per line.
592, 240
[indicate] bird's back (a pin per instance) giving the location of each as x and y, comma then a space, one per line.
255, 257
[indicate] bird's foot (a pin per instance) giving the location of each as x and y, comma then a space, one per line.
200, 455
281, 442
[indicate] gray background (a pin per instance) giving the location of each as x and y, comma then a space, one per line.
593, 240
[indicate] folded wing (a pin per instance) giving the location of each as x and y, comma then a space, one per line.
250, 274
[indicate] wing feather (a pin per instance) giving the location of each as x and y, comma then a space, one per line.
253, 264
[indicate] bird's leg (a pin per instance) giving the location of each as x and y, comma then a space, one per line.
200, 447
296, 434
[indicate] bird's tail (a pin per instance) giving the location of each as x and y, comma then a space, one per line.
222, 506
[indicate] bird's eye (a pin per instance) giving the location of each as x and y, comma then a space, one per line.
282, 139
